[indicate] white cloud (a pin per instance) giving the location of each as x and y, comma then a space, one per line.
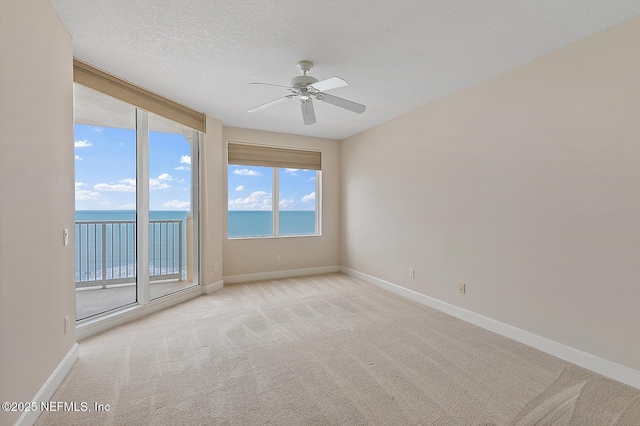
292, 172
78, 157
259, 200
98, 129
124, 185
185, 159
182, 168
246, 172
240, 188
311, 178
310, 197
130, 206
129, 185
106, 203
86, 194
82, 144
176, 204
165, 176
155, 184
285, 204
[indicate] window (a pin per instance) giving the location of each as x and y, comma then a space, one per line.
255, 209
105, 196
297, 201
173, 206
136, 231
250, 201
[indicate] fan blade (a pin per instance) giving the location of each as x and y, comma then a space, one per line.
276, 85
343, 103
328, 84
268, 104
308, 114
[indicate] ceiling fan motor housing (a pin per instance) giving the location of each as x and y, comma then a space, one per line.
302, 81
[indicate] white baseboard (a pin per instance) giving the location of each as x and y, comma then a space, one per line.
586, 360
210, 288
50, 386
279, 274
108, 321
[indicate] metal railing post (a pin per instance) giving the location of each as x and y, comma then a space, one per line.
180, 251
104, 255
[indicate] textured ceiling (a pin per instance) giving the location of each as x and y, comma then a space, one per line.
397, 55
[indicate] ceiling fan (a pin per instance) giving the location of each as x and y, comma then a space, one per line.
306, 88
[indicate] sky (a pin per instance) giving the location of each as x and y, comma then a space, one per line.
105, 170
250, 188
105, 163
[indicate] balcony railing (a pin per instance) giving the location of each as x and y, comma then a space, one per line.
105, 252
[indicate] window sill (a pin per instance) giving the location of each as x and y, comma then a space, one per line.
273, 237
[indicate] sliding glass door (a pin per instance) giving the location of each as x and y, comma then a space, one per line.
105, 188
172, 206
136, 205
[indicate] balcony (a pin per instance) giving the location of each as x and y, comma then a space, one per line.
106, 266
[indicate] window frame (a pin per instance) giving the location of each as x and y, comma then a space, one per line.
142, 130
276, 202
275, 206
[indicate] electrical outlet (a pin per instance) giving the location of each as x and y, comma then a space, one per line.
65, 236
277, 258
462, 287
66, 324
412, 273
215, 266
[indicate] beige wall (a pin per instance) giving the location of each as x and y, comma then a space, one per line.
36, 196
526, 187
248, 256
211, 200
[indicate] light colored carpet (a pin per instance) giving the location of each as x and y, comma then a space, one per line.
326, 349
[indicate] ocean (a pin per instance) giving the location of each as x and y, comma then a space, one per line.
259, 223
105, 244
128, 215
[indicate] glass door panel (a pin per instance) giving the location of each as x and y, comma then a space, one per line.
173, 219
105, 196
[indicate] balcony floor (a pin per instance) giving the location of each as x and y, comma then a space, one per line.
96, 300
